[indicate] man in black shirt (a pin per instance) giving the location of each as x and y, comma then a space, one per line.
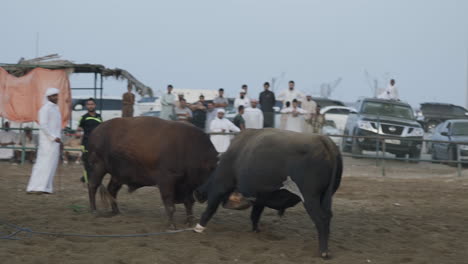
267, 102
88, 123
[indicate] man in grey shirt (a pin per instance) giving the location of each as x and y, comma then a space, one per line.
210, 115
220, 101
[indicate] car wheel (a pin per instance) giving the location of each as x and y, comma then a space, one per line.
415, 154
355, 148
452, 156
344, 145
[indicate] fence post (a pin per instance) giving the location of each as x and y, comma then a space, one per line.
383, 157
459, 165
23, 141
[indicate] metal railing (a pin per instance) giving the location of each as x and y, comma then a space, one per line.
380, 149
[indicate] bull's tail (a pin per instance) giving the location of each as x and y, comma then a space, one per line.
106, 197
335, 179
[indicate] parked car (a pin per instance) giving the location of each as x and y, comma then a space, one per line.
337, 114
389, 118
111, 108
324, 102
432, 114
152, 113
450, 131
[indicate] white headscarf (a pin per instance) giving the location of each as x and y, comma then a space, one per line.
221, 111
52, 91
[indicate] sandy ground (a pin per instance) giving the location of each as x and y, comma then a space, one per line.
416, 214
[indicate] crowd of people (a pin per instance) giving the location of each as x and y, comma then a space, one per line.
299, 113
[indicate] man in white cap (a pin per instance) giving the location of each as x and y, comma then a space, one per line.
253, 116
241, 100
50, 123
222, 125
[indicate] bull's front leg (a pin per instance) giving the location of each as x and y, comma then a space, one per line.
214, 199
188, 203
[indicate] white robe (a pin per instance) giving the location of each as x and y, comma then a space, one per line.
50, 123
167, 106
294, 123
221, 142
245, 102
253, 118
289, 96
390, 93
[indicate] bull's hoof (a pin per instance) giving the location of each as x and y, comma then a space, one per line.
171, 226
199, 228
325, 255
256, 230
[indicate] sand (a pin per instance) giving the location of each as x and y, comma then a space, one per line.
417, 214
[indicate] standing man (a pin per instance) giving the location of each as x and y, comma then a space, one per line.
128, 100
88, 123
222, 125
238, 119
199, 113
241, 100
295, 117
220, 102
253, 116
309, 106
267, 102
168, 104
50, 123
183, 112
210, 116
317, 121
246, 90
290, 94
391, 92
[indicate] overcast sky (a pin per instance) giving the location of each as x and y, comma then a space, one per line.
225, 43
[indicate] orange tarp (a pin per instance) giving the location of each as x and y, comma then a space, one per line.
21, 98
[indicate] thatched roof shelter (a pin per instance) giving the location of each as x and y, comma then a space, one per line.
52, 62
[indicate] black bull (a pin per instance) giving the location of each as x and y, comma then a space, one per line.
148, 151
277, 169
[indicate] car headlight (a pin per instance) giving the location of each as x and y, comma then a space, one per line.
463, 147
417, 132
366, 125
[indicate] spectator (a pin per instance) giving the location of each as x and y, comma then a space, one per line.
220, 102
317, 121
7, 139
241, 100
50, 122
309, 106
246, 89
238, 119
295, 117
267, 102
199, 110
168, 104
222, 125
88, 123
253, 116
391, 92
183, 112
290, 94
128, 100
210, 115
73, 143
29, 142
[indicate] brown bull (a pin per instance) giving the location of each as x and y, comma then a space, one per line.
148, 151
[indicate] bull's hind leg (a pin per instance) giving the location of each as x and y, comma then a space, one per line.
321, 219
188, 203
257, 211
167, 190
113, 187
96, 173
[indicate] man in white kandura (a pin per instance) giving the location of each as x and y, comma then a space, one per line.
222, 125
50, 124
391, 92
168, 105
241, 100
295, 117
290, 94
253, 116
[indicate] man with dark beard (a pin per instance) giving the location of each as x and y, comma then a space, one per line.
88, 123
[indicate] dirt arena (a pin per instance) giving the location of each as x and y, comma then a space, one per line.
418, 213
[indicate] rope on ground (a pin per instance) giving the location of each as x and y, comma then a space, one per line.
14, 235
